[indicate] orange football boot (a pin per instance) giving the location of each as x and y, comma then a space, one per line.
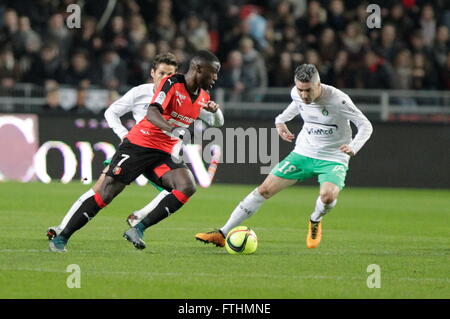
314, 234
213, 237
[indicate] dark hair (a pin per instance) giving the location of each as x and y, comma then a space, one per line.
203, 56
306, 73
166, 58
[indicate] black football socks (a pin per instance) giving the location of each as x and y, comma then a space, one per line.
167, 206
87, 210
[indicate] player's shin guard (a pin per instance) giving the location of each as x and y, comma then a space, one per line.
85, 212
244, 210
321, 209
140, 214
167, 206
74, 208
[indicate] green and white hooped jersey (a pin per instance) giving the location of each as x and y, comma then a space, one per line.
327, 125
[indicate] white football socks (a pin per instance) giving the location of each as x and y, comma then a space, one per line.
321, 209
140, 214
244, 210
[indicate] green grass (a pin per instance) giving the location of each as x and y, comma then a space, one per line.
405, 232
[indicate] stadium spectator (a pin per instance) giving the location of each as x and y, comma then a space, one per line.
80, 72
10, 26
441, 46
444, 75
423, 75
283, 17
137, 32
232, 76
374, 73
340, 73
233, 37
402, 22
227, 27
46, 66
52, 100
162, 46
117, 37
389, 45
196, 32
328, 45
113, 71
336, 18
417, 44
354, 40
140, 66
80, 105
312, 24
164, 28
25, 40
281, 75
257, 26
183, 60
9, 68
275, 28
402, 70
84, 37
58, 33
428, 24
255, 73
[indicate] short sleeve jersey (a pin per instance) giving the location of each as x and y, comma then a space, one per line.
177, 106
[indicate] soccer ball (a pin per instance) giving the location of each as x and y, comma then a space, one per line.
241, 240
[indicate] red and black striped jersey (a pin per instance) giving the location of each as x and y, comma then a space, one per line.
177, 106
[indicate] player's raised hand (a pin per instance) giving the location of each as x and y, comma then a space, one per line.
211, 106
284, 133
347, 150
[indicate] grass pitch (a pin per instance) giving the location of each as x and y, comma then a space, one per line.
405, 232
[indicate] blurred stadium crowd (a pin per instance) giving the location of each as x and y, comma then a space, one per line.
259, 42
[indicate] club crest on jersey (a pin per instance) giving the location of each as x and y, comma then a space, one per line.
325, 112
117, 170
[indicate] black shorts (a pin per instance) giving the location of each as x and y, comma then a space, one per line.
131, 160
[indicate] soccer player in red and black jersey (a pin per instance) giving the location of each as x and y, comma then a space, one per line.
147, 150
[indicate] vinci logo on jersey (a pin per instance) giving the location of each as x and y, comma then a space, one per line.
320, 131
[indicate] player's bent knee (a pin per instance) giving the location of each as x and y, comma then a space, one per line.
265, 192
110, 188
187, 189
328, 197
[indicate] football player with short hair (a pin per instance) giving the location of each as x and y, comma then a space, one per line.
323, 149
146, 149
